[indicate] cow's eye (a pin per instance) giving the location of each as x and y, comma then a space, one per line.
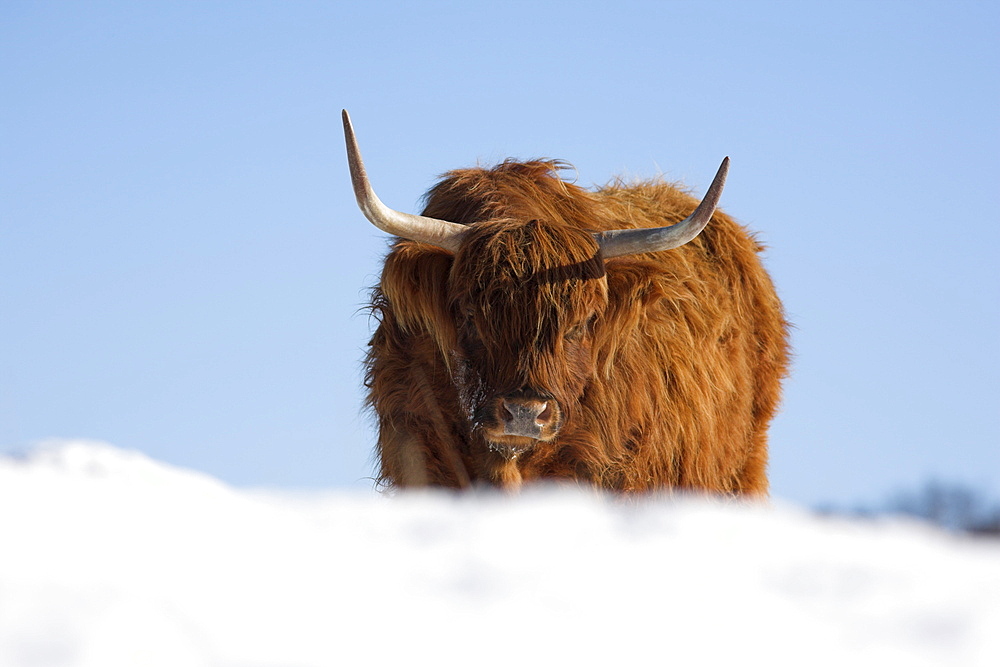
576, 332
467, 323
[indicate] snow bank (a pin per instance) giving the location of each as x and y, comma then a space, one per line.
108, 558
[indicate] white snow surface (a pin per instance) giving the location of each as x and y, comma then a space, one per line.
109, 558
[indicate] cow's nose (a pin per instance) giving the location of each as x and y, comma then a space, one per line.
525, 416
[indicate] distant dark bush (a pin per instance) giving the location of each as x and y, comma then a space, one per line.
951, 505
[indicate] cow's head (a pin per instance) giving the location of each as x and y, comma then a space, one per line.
525, 297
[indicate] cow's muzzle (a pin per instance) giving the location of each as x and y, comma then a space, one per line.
526, 417
521, 419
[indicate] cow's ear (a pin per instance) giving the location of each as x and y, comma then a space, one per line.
415, 283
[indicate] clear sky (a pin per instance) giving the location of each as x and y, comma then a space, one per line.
183, 269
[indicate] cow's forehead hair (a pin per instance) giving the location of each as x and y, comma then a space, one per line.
523, 279
511, 189
531, 250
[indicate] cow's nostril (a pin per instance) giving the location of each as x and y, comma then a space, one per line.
545, 416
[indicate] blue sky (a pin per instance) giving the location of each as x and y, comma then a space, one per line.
183, 269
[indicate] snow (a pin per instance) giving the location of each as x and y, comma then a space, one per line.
109, 558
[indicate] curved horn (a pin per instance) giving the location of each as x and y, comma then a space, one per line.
620, 242
447, 235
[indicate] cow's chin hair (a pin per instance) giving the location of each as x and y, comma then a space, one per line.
512, 446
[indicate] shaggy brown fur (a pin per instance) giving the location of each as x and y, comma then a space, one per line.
665, 367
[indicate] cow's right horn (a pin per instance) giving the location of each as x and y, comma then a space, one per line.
444, 234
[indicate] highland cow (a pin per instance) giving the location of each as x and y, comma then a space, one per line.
627, 338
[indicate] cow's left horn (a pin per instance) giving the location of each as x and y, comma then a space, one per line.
630, 241
444, 234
